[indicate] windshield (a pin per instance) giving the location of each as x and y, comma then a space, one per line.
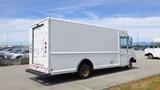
156, 44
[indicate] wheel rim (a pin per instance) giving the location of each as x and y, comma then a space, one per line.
150, 56
85, 72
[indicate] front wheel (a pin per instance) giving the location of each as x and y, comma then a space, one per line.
84, 71
129, 66
150, 56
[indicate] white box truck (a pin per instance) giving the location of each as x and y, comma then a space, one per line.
61, 46
154, 50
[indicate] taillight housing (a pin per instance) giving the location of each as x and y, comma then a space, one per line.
45, 47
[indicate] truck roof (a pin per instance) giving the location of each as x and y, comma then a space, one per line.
74, 22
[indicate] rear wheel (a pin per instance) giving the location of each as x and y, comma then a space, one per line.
150, 56
84, 71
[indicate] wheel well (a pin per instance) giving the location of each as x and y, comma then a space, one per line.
132, 60
149, 54
85, 61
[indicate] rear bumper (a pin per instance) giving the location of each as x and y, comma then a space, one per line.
38, 73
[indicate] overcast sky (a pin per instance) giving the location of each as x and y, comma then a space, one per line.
140, 17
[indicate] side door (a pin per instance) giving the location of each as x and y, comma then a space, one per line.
124, 50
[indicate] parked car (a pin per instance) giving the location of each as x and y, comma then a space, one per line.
154, 50
14, 52
6, 49
18, 54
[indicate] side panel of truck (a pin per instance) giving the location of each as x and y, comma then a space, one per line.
59, 46
70, 43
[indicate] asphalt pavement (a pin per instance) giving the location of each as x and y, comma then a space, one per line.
15, 77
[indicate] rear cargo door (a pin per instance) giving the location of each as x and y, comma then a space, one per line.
40, 48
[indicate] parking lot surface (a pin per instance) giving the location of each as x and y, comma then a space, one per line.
15, 77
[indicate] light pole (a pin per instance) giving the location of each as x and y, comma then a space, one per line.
7, 38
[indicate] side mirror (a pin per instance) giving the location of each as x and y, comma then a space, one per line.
130, 42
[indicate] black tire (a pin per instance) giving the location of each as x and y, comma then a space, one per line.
84, 71
150, 56
129, 66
